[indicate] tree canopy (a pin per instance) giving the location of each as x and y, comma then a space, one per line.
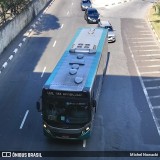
10, 8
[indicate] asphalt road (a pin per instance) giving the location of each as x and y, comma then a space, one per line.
124, 120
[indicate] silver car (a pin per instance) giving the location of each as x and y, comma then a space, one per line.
111, 31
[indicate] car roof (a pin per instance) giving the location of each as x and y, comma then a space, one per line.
91, 9
107, 23
84, 1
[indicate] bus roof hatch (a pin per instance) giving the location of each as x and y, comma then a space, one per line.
89, 44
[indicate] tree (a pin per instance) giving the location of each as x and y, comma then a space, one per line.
157, 7
10, 8
4, 7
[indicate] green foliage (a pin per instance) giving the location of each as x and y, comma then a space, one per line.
157, 7
154, 18
10, 8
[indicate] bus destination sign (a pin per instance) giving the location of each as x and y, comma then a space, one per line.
65, 94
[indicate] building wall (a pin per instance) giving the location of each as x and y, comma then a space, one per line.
13, 28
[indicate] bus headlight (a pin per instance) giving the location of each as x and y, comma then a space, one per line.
46, 129
86, 130
90, 18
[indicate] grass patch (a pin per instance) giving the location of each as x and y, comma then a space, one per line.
155, 20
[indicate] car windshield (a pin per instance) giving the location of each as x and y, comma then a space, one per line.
85, 1
66, 112
93, 12
109, 28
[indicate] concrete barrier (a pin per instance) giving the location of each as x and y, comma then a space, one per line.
13, 28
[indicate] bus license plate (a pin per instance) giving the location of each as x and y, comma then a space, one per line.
65, 136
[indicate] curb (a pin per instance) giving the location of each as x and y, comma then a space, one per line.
26, 35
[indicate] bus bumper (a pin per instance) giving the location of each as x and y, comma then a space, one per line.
80, 134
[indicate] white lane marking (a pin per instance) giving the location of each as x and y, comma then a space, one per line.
147, 55
156, 107
143, 31
150, 66
24, 119
54, 43
4, 64
142, 22
43, 72
20, 45
144, 89
148, 60
34, 26
147, 50
154, 45
149, 88
45, 10
84, 143
62, 26
37, 22
152, 72
152, 97
141, 38
142, 42
30, 30
27, 34
143, 34
10, 57
150, 80
15, 50
72, 3
52, 2
24, 39
68, 13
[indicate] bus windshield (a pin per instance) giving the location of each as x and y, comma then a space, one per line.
67, 112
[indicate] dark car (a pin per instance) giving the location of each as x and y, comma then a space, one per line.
85, 4
91, 15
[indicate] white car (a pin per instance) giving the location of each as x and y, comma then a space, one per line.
111, 31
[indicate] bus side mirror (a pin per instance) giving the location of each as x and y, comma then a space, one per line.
39, 106
94, 104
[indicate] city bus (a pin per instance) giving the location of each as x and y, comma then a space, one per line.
70, 95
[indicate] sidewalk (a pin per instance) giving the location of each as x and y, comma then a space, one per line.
106, 3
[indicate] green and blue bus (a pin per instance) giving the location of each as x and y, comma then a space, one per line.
71, 93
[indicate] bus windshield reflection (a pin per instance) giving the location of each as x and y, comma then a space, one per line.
68, 112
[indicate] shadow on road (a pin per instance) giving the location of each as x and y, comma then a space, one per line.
48, 22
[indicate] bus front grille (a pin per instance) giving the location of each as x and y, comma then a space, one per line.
66, 135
